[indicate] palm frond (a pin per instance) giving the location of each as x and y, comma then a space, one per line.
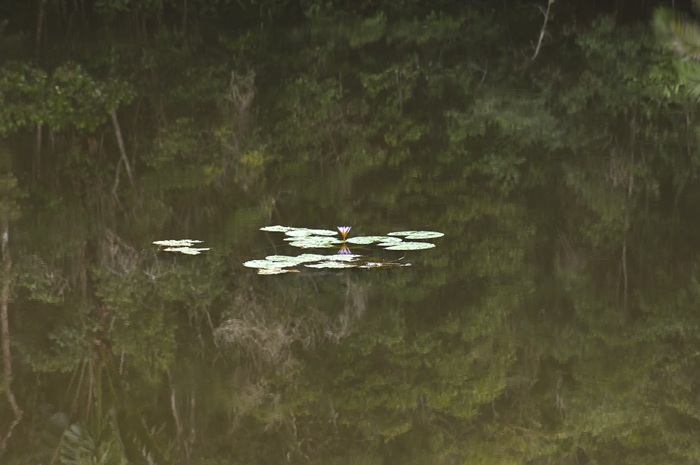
678, 33
114, 432
689, 72
77, 446
686, 39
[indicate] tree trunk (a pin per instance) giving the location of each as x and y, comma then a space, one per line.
37, 154
120, 141
543, 30
5, 329
52, 141
39, 27
628, 205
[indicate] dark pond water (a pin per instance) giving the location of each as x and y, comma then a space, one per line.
555, 321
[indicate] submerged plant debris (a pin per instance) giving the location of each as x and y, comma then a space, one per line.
276, 271
308, 238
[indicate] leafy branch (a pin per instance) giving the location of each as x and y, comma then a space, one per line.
681, 35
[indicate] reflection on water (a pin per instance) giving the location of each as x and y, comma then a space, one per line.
555, 321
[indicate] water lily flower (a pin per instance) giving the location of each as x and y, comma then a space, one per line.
344, 230
344, 250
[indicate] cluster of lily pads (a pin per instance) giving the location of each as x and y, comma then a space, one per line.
181, 246
307, 238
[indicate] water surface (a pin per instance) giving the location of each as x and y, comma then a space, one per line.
555, 321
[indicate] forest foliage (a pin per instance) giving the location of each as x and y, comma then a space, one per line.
556, 321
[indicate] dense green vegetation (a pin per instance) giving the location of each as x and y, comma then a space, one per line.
555, 323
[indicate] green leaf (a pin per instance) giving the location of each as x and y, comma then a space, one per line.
331, 264
412, 246
277, 228
315, 242
298, 232
417, 234
187, 250
369, 239
268, 264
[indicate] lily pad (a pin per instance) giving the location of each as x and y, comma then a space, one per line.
311, 245
267, 264
330, 264
424, 235
325, 238
300, 232
177, 243
315, 242
412, 246
348, 257
417, 234
277, 228
368, 239
333, 240
295, 260
186, 250
311, 257
281, 258
390, 241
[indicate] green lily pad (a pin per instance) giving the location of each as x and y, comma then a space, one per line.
348, 257
424, 235
325, 238
312, 238
267, 264
311, 257
315, 242
295, 260
311, 245
330, 264
412, 246
281, 258
390, 241
300, 232
331, 240
277, 228
186, 250
368, 239
417, 234
177, 243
